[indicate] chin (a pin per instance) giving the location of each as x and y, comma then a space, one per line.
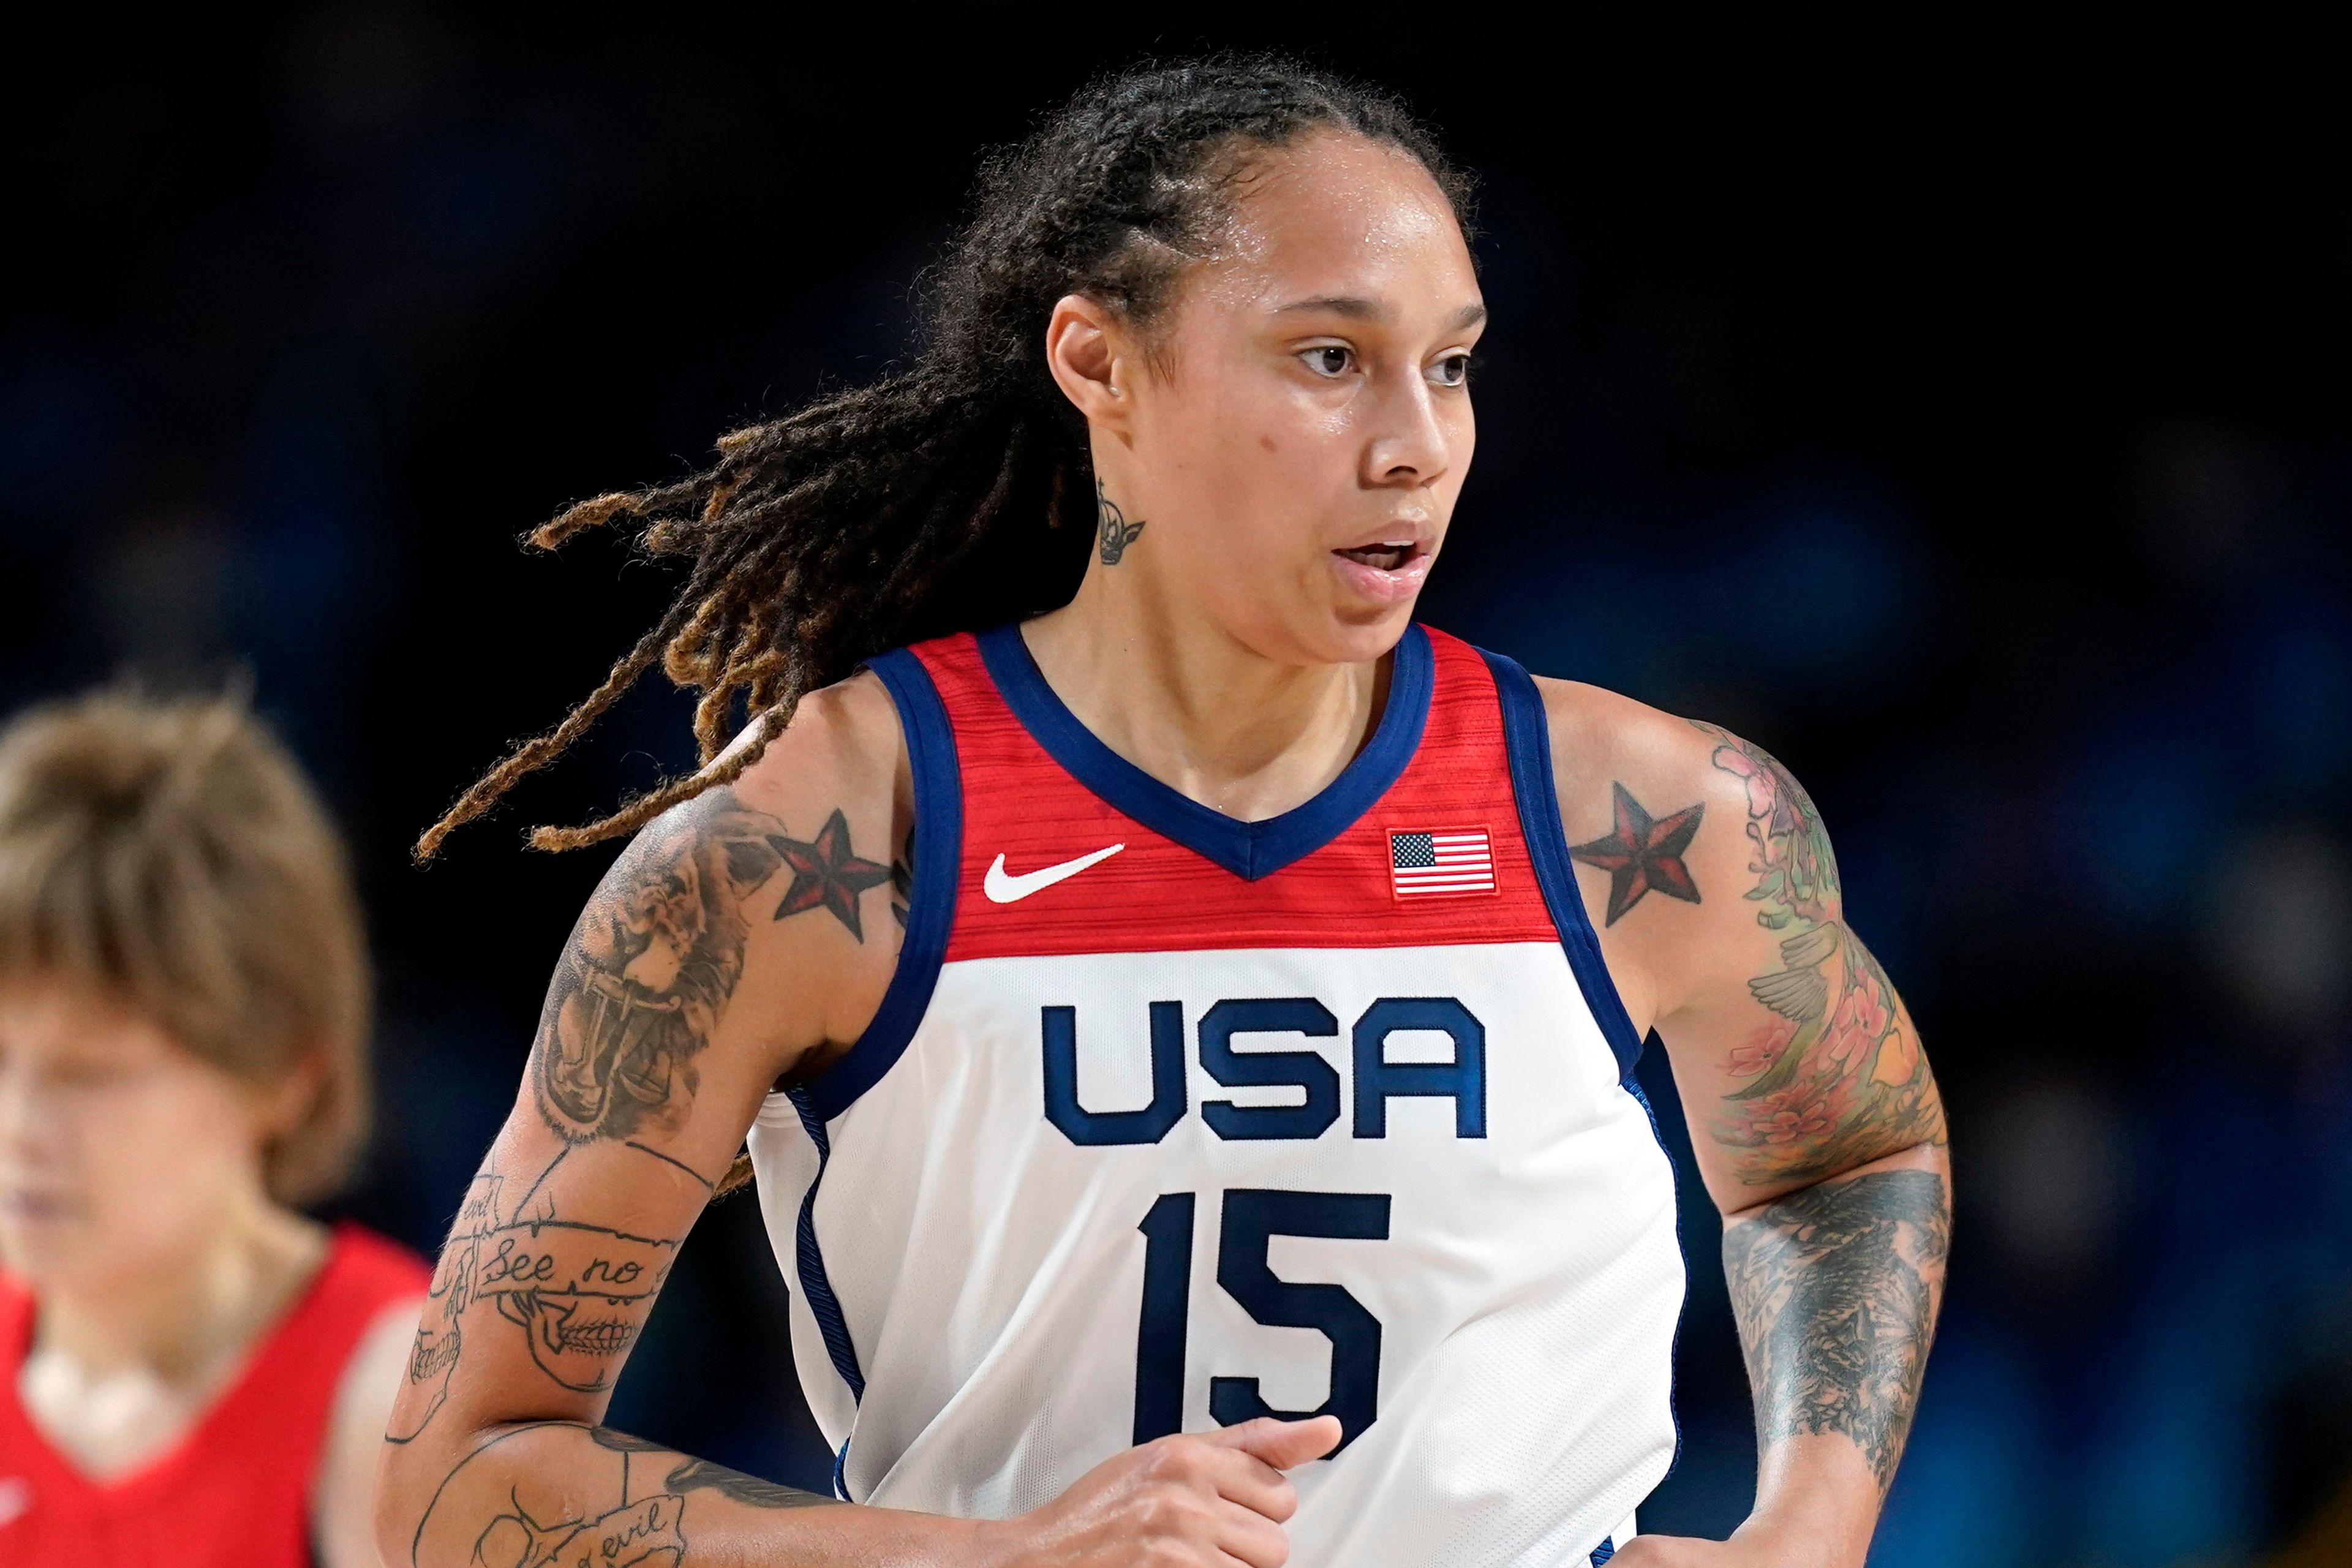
1356, 636
1314, 626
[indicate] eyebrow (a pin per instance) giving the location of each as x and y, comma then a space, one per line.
1357, 308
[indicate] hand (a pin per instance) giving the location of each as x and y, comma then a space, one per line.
1680, 1552
1758, 1543
1200, 1500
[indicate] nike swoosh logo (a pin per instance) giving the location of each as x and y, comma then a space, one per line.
1003, 890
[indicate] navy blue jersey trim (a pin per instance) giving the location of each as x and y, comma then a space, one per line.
1249, 849
1605, 1550
1528, 739
815, 1282
1674, 1347
938, 852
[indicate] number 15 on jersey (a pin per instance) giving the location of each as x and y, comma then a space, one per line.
1252, 1216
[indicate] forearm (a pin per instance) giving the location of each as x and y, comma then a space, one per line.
1836, 1287
562, 1492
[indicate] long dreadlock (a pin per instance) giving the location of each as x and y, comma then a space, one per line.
956, 494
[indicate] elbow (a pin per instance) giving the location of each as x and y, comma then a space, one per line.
1767, 1184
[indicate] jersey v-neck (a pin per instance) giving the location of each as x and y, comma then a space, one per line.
233, 1395
1249, 849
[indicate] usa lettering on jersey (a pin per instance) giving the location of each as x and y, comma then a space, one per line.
1168, 1120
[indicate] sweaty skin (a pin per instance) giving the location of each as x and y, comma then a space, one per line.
1278, 461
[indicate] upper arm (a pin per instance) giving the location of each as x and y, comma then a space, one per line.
742, 936
1795, 1057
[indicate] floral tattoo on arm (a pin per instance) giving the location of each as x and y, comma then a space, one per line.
1835, 1284
1834, 1076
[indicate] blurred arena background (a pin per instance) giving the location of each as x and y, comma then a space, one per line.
1960, 411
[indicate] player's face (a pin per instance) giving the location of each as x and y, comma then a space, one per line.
1305, 439
119, 1149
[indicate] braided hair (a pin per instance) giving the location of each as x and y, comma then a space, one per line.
956, 493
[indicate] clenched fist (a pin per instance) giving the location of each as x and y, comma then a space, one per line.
1200, 1500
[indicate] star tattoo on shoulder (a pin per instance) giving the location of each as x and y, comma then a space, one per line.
1645, 854
827, 874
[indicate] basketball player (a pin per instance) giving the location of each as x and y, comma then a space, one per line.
1185, 1036
191, 1372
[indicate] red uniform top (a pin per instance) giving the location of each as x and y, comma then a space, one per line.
235, 1490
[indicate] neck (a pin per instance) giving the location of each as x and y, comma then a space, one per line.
1197, 707
183, 1314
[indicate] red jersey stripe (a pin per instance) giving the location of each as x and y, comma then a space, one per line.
1156, 895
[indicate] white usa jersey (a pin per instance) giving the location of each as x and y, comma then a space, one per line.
1168, 1120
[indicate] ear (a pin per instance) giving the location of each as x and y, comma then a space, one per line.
286, 1104
1088, 350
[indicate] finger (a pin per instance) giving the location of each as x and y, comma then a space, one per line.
1240, 1435
1283, 1444
1252, 1538
1245, 1478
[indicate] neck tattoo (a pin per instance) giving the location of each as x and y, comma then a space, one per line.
1115, 532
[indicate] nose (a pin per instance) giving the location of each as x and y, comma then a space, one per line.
1409, 447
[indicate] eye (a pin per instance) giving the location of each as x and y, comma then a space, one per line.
1330, 360
1454, 370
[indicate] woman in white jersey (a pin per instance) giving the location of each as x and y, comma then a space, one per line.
1180, 1012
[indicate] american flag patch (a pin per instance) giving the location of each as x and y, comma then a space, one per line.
1434, 864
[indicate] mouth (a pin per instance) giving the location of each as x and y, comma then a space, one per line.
1384, 572
1387, 555
36, 1207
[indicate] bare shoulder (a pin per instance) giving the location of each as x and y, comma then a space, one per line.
1709, 877
1667, 820
827, 800
1661, 781
1599, 735
843, 740
835, 795
743, 934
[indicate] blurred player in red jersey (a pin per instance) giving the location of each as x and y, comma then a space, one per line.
191, 1370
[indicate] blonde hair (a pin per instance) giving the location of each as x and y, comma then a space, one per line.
172, 852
